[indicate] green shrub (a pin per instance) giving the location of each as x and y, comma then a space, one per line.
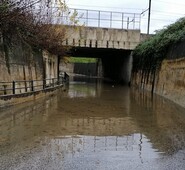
149, 54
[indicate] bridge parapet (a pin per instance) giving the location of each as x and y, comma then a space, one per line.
93, 37
102, 29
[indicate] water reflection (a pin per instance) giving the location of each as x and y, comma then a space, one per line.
82, 86
92, 126
162, 121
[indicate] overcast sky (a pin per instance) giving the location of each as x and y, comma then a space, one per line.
163, 12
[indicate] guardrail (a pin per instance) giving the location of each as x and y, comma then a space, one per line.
25, 86
103, 19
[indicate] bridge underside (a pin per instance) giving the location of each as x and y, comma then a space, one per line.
116, 63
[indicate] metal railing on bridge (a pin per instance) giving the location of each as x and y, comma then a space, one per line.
97, 18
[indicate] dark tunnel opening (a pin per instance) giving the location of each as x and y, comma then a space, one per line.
115, 64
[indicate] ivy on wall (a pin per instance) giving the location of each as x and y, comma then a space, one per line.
148, 55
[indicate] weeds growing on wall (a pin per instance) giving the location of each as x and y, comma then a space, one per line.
149, 55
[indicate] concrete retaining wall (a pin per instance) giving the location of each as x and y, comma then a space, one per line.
89, 69
20, 62
169, 82
66, 67
50, 66
27, 67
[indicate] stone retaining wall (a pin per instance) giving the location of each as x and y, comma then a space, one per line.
169, 81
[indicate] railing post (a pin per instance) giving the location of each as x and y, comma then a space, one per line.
87, 18
13, 87
127, 23
53, 81
134, 21
98, 18
5, 89
32, 87
122, 20
139, 21
111, 20
44, 84
66, 77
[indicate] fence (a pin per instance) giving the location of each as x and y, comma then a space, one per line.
24, 86
96, 18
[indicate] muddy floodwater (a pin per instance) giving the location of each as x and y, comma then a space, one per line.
93, 126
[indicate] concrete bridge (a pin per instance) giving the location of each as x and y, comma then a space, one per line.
109, 36
92, 37
104, 29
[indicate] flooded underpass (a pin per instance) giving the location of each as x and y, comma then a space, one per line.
93, 126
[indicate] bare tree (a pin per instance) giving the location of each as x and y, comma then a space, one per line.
34, 21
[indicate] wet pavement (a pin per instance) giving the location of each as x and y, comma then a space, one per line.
93, 126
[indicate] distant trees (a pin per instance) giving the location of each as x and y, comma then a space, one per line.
34, 22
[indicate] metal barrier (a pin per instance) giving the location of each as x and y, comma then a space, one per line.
24, 86
105, 19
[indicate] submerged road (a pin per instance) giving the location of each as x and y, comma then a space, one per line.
93, 126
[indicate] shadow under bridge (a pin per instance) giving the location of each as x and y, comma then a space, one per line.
113, 64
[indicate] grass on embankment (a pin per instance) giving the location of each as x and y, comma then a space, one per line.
81, 60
